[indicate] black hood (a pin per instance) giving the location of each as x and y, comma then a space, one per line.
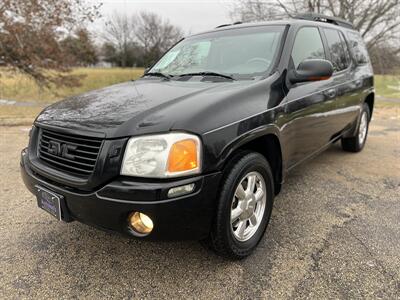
143, 106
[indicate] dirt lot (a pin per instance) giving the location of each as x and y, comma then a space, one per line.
334, 232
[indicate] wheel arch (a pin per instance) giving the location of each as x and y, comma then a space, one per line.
370, 99
268, 145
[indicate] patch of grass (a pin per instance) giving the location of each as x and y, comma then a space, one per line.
19, 87
386, 104
388, 86
18, 115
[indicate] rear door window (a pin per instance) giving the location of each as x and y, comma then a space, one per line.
307, 45
339, 54
357, 48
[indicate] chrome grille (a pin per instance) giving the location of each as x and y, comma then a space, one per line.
69, 153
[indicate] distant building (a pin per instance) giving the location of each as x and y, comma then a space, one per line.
102, 63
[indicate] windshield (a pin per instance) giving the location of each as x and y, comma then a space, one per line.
240, 53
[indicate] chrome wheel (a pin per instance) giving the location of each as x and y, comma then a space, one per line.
248, 206
362, 130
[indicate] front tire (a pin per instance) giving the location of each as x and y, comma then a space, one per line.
357, 142
244, 206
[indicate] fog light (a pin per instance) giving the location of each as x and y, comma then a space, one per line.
141, 223
180, 190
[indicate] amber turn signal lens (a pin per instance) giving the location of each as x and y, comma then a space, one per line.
183, 156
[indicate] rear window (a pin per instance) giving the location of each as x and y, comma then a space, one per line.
338, 49
357, 48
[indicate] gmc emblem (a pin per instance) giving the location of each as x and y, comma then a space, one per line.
60, 149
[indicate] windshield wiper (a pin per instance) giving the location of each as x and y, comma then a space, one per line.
158, 74
207, 74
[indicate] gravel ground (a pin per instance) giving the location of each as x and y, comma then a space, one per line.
334, 233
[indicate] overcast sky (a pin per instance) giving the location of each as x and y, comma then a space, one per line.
191, 15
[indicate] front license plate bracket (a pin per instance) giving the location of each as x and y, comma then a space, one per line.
52, 203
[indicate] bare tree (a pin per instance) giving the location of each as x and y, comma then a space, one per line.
119, 32
154, 35
31, 32
142, 37
378, 21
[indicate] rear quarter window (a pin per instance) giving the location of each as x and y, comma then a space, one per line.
357, 48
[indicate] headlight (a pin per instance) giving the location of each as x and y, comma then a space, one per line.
161, 156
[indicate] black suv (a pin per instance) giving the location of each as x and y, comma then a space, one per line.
199, 146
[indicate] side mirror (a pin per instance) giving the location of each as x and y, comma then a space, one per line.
146, 70
311, 70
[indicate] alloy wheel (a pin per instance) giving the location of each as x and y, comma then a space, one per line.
362, 131
248, 206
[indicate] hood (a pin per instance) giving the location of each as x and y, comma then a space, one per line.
140, 107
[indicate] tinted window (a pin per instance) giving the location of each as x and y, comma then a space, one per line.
307, 45
357, 48
345, 48
339, 57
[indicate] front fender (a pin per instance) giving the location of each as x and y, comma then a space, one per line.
221, 143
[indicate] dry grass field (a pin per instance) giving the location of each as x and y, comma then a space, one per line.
19, 87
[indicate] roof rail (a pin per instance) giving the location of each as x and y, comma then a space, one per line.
224, 25
323, 18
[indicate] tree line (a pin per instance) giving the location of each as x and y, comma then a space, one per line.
136, 40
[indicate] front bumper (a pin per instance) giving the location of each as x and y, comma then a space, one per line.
186, 217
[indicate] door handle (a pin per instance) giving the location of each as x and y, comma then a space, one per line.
331, 93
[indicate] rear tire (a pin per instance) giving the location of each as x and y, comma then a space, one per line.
244, 206
357, 142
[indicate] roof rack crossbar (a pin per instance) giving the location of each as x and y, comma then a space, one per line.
323, 18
